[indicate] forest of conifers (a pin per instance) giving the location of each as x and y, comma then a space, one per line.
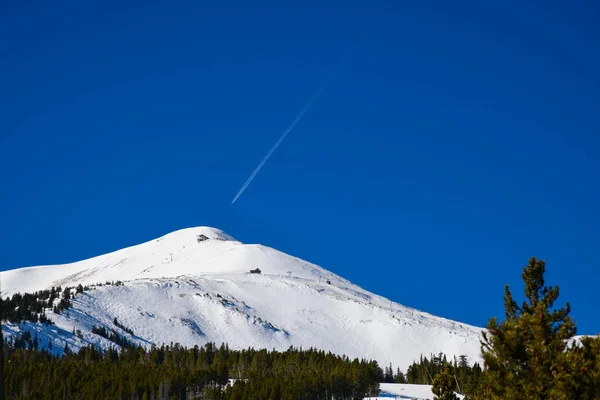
173, 372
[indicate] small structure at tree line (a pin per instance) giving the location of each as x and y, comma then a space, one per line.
255, 271
201, 238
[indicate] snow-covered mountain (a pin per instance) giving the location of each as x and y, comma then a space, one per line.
179, 289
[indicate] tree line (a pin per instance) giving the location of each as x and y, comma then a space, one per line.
174, 372
32, 306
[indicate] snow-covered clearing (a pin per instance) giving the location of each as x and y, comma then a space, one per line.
404, 391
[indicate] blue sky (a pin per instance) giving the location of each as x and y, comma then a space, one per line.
458, 141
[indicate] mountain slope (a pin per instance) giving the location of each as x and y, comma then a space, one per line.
180, 290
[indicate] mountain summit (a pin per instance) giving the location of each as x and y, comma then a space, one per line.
200, 285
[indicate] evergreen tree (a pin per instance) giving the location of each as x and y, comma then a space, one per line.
388, 375
399, 378
444, 385
525, 354
582, 375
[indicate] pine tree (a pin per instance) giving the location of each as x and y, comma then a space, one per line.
399, 378
582, 375
444, 384
525, 353
388, 375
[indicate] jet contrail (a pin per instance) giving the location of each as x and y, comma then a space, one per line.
285, 133
270, 152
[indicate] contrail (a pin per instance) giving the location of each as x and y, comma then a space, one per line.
285, 133
270, 152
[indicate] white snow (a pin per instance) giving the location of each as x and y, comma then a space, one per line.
405, 391
180, 290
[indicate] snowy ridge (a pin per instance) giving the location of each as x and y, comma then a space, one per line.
178, 289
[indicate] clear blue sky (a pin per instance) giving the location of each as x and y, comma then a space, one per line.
459, 140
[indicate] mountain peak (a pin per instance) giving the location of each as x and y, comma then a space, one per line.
199, 233
199, 285
191, 252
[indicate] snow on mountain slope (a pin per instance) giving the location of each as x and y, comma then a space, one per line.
180, 290
176, 254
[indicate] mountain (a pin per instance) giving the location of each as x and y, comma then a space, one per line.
194, 286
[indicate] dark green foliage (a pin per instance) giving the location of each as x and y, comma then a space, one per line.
445, 384
582, 376
29, 306
32, 306
111, 283
468, 378
425, 370
525, 355
388, 374
465, 376
23, 341
112, 335
65, 302
400, 378
173, 372
390, 377
117, 324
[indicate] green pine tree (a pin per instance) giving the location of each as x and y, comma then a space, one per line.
525, 353
444, 384
581, 377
